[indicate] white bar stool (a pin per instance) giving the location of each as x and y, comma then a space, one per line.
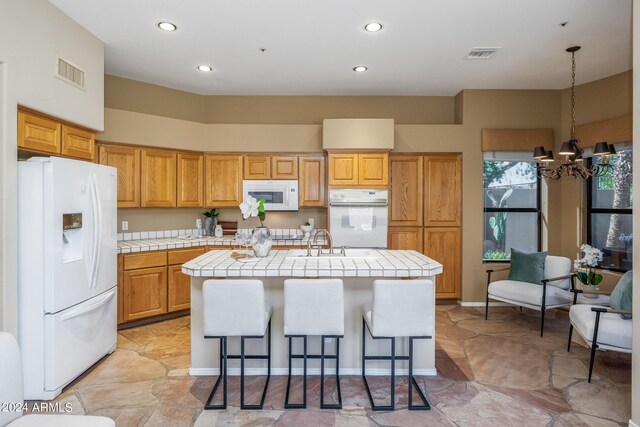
236, 308
314, 307
398, 309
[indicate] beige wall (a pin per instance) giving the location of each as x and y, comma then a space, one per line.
130, 95
176, 219
32, 33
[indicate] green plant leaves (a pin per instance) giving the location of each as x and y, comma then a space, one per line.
590, 278
261, 213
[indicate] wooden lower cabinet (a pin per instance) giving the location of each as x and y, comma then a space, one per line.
405, 238
178, 283
152, 283
145, 293
444, 245
178, 289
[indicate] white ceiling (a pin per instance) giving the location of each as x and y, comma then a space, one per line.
312, 45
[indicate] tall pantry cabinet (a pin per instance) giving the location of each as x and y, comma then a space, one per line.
425, 212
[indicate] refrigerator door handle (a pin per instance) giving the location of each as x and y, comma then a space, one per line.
96, 228
99, 302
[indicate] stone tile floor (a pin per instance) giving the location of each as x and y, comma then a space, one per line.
491, 373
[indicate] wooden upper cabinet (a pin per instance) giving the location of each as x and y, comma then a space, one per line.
78, 143
127, 161
190, 180
373, 169
444, 245
443, 190
39, 134
406, 238
257, 167
343, 169
223, 180
312, 172
158, 183
406, 191
284, 167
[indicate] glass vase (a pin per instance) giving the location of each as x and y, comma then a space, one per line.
261, 241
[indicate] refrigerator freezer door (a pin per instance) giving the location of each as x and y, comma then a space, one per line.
76, 338
81, 260
67, 190
106, 267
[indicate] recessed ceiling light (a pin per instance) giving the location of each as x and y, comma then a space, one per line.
167, 26
204, 68
360, 69
372, 27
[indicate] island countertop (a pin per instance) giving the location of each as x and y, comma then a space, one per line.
281, 263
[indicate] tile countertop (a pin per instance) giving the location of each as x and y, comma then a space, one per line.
387, 263
161, 244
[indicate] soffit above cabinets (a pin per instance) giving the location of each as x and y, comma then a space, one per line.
311, 47
357, 134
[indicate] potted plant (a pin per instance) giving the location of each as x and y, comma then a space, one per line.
585, 269
307, 228
210, 221
261, 239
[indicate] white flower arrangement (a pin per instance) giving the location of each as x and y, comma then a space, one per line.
252, 207
627, 239
592, 256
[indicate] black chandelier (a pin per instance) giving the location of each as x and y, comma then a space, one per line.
573, 163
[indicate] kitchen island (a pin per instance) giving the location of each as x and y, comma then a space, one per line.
358, 270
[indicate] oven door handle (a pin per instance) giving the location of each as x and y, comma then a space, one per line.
359, 205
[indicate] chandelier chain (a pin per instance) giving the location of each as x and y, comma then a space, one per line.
573, 95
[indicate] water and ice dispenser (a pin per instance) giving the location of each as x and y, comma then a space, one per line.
72, 237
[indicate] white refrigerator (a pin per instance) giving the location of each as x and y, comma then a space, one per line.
67, 270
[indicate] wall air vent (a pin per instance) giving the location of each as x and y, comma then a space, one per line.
482, 52
70, 73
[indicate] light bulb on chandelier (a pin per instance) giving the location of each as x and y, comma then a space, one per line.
573, 160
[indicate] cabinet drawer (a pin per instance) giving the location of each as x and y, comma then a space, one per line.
144, 260
180, 256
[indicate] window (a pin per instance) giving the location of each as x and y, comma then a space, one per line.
511, 205
609, 204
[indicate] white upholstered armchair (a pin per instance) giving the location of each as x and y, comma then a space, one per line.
549, 293
11, 394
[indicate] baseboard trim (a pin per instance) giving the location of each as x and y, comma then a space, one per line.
198, 372
482, 304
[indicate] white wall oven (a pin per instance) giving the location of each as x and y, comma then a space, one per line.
359, 218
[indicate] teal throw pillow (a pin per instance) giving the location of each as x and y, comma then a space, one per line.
527, 267
621, 297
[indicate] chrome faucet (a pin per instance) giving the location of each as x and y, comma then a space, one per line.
314, 242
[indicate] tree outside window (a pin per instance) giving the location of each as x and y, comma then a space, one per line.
511, 208
610, 205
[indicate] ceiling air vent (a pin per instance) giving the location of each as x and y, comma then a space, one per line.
482, 52
70, 73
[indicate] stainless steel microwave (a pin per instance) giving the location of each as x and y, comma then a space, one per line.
278, 195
